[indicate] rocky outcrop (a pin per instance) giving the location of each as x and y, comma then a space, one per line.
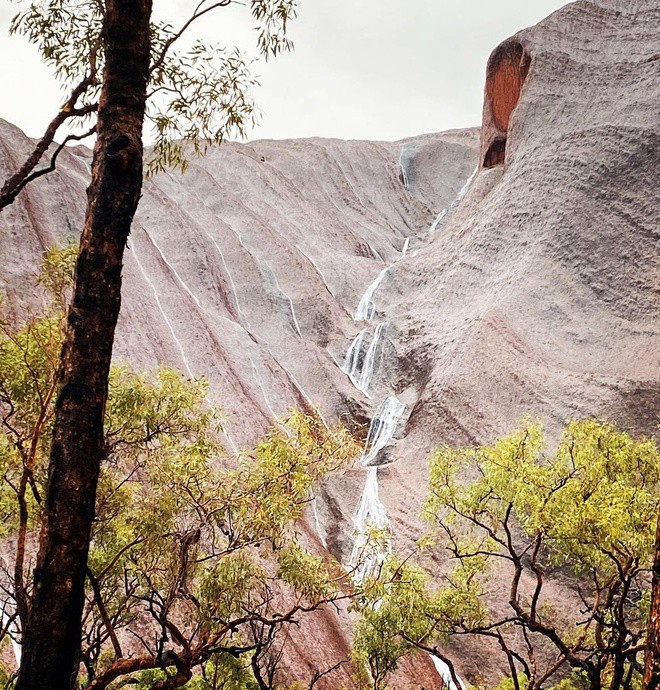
531, 290
505, 75
247, 270
539, 294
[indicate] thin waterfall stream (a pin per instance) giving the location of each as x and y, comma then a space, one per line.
457, 200
371, 524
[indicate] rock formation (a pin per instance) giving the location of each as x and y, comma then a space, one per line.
532, 289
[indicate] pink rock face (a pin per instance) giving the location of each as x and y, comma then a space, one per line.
248, 270
536, 292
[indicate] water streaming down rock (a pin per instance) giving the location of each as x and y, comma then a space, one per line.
366, 375
479, 324
320, 532
371, 523
359, 364
175, 272
170, 327
353, 360
166, 319
466, 187
375, 253
405, 155
404, 250
260, 384
446, 211
383, 428
438, 219
318, 270
366, 309
404, 174
444, 672
370, 544
294, 318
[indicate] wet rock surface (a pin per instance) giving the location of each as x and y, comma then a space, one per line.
532, 290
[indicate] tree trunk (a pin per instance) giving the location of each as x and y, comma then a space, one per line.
652, 661
51, 645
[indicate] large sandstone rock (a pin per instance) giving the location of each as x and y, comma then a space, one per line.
247, 270
535, 292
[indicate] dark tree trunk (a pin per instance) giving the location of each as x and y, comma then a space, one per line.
652, 661
51, 645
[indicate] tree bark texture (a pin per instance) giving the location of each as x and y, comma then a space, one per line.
51, 644
652, 659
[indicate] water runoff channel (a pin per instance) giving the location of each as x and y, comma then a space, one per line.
359, 365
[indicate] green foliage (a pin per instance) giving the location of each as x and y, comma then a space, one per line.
300, 569
196, 97
190, 549
393, 607
513, 513
224, 672
402, 611
594, 500
507, 683
67, 34
57, 267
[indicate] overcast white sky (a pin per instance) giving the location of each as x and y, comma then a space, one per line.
363, 69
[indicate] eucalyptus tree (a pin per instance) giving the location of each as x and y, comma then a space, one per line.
510, 518
196, 568
117, 62
195, 97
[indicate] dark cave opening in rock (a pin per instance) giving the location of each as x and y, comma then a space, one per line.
496, 153
506, 73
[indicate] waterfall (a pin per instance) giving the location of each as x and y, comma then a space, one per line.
404, 250
404, 175
317, 523
371, 525
462, 192
286, 296
374, 253
184, 359
260, 384
438, 220
168, 323
241, 314
466, 187
382, 429
318, 270
370, 515
366, 309
402, 168
445, 674
174, 271
358, 364
352, 363
370, 359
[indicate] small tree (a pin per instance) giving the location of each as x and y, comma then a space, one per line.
195, 566
587, 511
